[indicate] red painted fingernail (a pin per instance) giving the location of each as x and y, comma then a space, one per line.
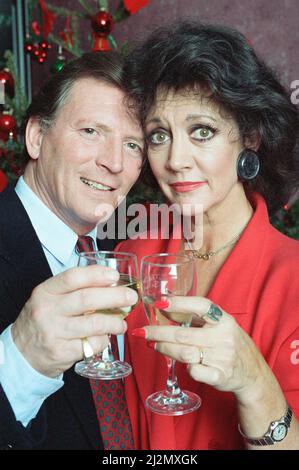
139, 332
162, 304
151, 344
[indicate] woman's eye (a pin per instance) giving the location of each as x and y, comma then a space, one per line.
158, 137
202, 133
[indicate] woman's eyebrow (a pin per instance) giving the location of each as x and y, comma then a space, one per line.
154, 120
191, 117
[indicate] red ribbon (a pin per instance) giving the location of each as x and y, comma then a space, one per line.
48, 18
67, 34
133, 6
35, 28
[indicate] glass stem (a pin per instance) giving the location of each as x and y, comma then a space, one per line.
107, 354
172, 387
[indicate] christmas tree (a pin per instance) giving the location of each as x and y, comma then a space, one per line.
50, 26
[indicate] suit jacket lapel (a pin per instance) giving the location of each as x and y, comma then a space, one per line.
25, 267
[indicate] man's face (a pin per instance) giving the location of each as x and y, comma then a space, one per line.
90, 156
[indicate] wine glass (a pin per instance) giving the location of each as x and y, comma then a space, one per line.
104, 366
164, 275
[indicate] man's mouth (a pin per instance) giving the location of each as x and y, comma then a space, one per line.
96, 185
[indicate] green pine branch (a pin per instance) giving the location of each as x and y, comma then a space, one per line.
75, 27
121, 13
5, 21
62, 11
87, 8
287, 222
113, 41
19, 102
74, 50
104, 5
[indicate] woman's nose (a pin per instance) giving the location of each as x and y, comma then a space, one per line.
180, 155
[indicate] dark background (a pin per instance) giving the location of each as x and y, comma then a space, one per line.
5, 28
271, 25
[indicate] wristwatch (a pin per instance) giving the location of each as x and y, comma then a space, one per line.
276, 432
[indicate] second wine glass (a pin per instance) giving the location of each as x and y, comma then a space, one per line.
164, 275
104, 366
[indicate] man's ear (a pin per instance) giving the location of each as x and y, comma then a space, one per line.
33, 137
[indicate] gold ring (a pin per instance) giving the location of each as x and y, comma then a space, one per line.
87, 349
200, 356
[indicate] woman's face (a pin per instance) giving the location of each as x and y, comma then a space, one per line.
193, 149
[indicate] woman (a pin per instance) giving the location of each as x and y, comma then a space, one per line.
221, 132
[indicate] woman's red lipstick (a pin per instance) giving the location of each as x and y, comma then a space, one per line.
186, 186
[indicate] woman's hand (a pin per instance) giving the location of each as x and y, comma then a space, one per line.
220, 353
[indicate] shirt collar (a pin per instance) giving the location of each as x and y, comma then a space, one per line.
57, 237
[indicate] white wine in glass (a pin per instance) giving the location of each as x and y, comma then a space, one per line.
164, 275
104, 366
125, 281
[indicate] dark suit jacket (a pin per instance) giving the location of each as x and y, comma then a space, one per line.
67, 419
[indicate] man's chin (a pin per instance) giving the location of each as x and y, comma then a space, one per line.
103, 212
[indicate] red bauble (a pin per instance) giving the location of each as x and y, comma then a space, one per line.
43, 45
7, 126
29, 47
102, 24
3, 180
8, 81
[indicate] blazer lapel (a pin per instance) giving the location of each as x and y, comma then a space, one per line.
25, 266
78, 393
20, 251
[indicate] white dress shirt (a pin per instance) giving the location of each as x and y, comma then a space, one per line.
25, 388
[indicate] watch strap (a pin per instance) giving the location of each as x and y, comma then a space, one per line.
267, 439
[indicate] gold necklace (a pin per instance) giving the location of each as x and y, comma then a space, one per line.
209, 254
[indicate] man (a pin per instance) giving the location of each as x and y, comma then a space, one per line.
85, 152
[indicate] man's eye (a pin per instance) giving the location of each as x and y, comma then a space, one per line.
203, 133
135, 148
89, 130
157, 138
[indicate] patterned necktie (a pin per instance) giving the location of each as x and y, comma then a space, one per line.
84, 243
109, 395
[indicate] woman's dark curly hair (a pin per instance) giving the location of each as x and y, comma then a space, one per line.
190, 55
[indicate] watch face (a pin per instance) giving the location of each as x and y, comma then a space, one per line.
279, 433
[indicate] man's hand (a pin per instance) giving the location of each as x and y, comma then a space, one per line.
49, 328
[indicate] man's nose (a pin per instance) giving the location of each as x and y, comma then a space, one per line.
111, 156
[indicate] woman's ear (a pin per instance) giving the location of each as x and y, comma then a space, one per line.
33, 137
253, 141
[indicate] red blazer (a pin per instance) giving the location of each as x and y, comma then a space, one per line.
259, 285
